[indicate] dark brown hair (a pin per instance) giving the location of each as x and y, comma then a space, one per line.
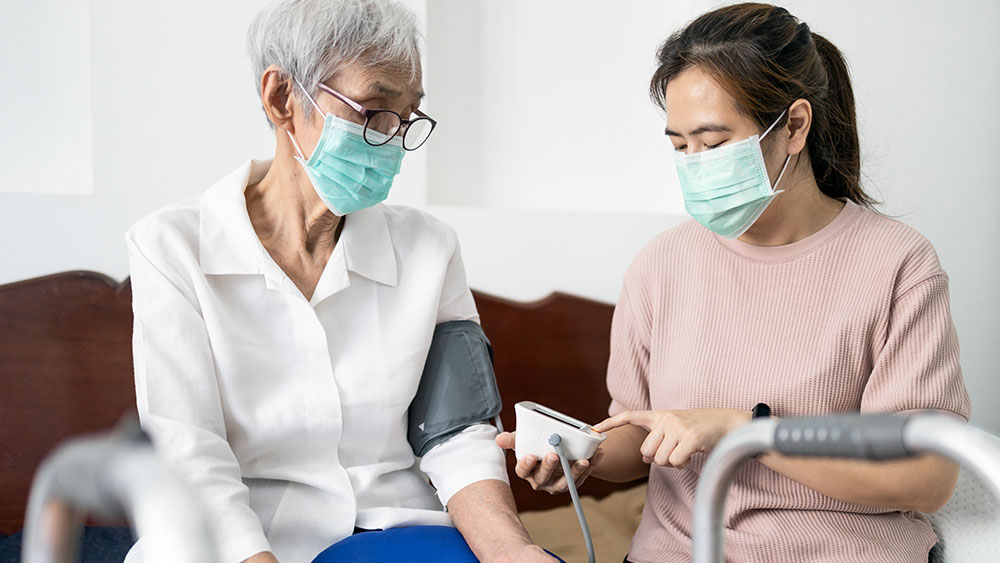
766, 59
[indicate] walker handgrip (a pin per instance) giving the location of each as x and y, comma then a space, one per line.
845, 436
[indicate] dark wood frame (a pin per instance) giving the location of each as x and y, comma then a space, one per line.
66, 369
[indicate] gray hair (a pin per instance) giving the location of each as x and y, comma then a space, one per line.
311, 40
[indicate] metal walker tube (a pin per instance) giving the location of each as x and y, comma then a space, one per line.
872, 437
114, 476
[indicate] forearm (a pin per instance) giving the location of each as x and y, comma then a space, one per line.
485, 514
924, 483
621, 460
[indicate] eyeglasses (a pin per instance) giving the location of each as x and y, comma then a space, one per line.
381, 125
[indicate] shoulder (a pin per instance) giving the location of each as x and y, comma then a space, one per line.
669, 247
898, 246
413, 228
169, 231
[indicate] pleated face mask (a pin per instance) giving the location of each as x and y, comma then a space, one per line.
726, 189
348, 173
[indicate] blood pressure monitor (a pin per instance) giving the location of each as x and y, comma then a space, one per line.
536, 424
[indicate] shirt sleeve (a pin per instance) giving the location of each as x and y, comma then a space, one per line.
456, 303
918, 366
464, 459
470, 455
179, 401
628, 366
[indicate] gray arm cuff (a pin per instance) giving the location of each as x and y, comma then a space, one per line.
457, 388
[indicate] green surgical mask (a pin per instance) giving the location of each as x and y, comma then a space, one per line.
727, 189
348, 173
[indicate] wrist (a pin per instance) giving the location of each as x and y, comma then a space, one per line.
516, 553
741, 417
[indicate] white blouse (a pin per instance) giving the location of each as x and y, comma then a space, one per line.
288, 415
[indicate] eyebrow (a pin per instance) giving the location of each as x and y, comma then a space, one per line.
709, 128
383, 90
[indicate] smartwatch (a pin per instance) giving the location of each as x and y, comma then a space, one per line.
760, 410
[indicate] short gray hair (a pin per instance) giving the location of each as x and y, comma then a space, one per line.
311, 40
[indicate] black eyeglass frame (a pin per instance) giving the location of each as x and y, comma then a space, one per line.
368, 114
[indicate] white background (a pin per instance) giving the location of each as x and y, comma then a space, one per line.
549, 159
46, 132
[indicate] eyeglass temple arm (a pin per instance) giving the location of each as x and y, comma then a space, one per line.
357, 107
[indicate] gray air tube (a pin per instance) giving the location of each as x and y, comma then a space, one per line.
556, 441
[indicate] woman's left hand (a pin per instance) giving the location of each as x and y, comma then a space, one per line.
676, 434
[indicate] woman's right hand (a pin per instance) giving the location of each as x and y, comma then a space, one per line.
547, 474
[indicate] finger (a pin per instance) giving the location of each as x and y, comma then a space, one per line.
651, 444
579, 468
525, 466
505, 440
597, 457
662, 456
615, 421
547, 469
682, 453
635, 418
557, 486
585, 470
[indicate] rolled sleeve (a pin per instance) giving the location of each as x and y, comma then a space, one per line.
464, 459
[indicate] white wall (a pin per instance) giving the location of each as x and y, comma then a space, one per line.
174, 109
56, 33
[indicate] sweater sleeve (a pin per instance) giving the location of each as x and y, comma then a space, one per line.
918, 365
628, 366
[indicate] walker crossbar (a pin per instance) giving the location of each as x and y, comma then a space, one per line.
871, 437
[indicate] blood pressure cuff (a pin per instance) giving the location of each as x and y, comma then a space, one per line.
457, 389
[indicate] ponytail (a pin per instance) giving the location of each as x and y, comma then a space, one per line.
834, 150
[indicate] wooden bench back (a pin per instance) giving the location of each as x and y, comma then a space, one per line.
66, 369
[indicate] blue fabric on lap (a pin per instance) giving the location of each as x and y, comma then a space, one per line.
416, 544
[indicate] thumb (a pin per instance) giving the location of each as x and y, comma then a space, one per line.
505, 440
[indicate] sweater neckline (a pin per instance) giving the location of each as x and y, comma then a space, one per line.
785, 252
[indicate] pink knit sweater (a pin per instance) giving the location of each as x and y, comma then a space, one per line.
853, 318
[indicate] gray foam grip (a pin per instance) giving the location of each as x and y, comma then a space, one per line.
846, 436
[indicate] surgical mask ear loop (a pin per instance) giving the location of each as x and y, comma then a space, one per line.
556, 441
302, 155
788, 158
768, 129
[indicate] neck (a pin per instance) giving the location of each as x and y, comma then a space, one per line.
286, 210
799, 211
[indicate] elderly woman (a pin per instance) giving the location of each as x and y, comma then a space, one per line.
283, 319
